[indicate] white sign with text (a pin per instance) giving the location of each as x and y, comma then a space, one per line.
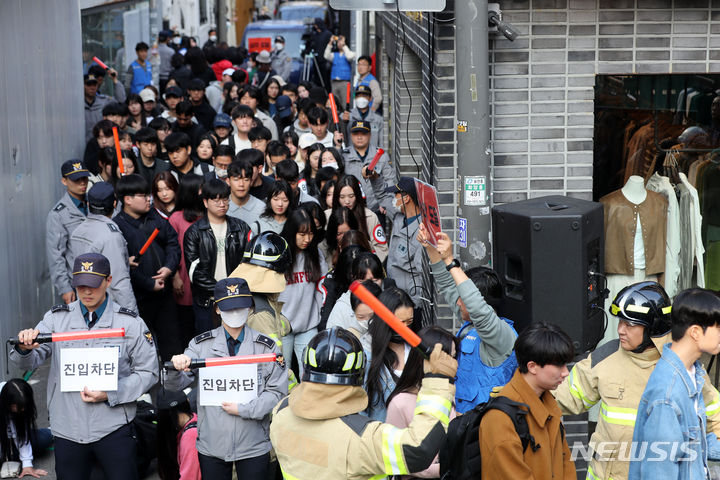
230, 383
94, 368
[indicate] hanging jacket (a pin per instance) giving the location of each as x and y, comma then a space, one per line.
617, 378
475, 379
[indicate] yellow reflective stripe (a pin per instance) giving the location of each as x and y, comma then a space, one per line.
637, 308
435, 406
311, 357
359, 362
667, 309
349, 360
378, 477
287, 475
577, 391
614, 309
591, 475
712, 408
617, 415
392, 450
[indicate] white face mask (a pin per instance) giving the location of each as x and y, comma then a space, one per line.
235, 318
177, 40
363, 326
331, 165
279, 46
213, 38
361, 102
221, 173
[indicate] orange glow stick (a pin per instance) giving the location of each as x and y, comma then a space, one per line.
118, 152
333, 109
149, 241
99, 62
389, 317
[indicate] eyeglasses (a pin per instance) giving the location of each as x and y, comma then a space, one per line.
142, 195
220, 201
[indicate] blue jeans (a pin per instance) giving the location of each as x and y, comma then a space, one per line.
297, 342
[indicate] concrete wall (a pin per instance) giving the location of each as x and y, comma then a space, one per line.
41, 125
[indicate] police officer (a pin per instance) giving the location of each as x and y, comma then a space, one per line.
318, 433
362, 113
93, 425
280, 60
406, 256
235, 433
64, 217
99, 234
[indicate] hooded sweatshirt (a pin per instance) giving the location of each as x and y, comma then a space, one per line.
301, 298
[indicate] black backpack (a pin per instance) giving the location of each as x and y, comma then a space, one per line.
460, 455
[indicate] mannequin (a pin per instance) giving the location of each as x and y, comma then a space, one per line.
634, 189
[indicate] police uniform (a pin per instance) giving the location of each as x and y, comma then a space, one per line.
99, 234
281, 62
103, 430
223, 437
354, 163
62, 220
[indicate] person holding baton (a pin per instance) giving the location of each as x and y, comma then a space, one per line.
234, 433
90, 424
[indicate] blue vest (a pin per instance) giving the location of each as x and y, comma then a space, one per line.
366, 81
142, 77
475, 380
340, 68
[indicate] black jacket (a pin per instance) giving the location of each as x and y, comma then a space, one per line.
163, 252
200, 246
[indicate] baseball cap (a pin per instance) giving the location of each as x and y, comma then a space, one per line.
405, 185
363, 90
263, 57
306, 139
167, 399
283, 105
279, 38
359, 126
228, 71
101, 195
89, 78
232, 293
222, 120
90, 269
196, 84
174, 91
147, 95
74, 170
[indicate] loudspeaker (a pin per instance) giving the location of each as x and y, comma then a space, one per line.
548, 252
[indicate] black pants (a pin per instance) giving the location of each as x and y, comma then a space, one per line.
214, 468
114, 452
186, 322
160, 314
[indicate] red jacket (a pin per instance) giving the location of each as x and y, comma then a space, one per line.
187, 453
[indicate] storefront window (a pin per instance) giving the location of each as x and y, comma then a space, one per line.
665, 129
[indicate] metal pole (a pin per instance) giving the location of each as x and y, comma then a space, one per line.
221, 8
473, 131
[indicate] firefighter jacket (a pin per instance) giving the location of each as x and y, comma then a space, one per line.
616, 378
318, 433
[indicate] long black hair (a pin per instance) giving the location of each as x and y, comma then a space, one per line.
339, 216
382, 355
300, 221
280, 186
359, 207
168, 428
413, 372
188, 199
19, 393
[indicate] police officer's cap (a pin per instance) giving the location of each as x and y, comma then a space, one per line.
167, 399
279, 38
646, 304
90, 79
363, 90
101, 195
90, 269
74, 170
232, 293
359, 126
405, 185
334, 357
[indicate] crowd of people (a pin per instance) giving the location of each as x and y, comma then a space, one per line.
232, 221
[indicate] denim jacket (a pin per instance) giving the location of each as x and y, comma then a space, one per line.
670, 439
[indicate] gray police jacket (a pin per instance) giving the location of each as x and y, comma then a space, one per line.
406, 257
236, 437
70, 417
281, 62
376, 126
99, 234
62, 220
374, 198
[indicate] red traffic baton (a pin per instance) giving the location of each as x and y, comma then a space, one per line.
149, 242
118, 151
69, 336
375, 160
99, 62
347, 97
333, 110
224, 361
389, 317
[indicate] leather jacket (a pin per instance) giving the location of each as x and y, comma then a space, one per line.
200, 250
